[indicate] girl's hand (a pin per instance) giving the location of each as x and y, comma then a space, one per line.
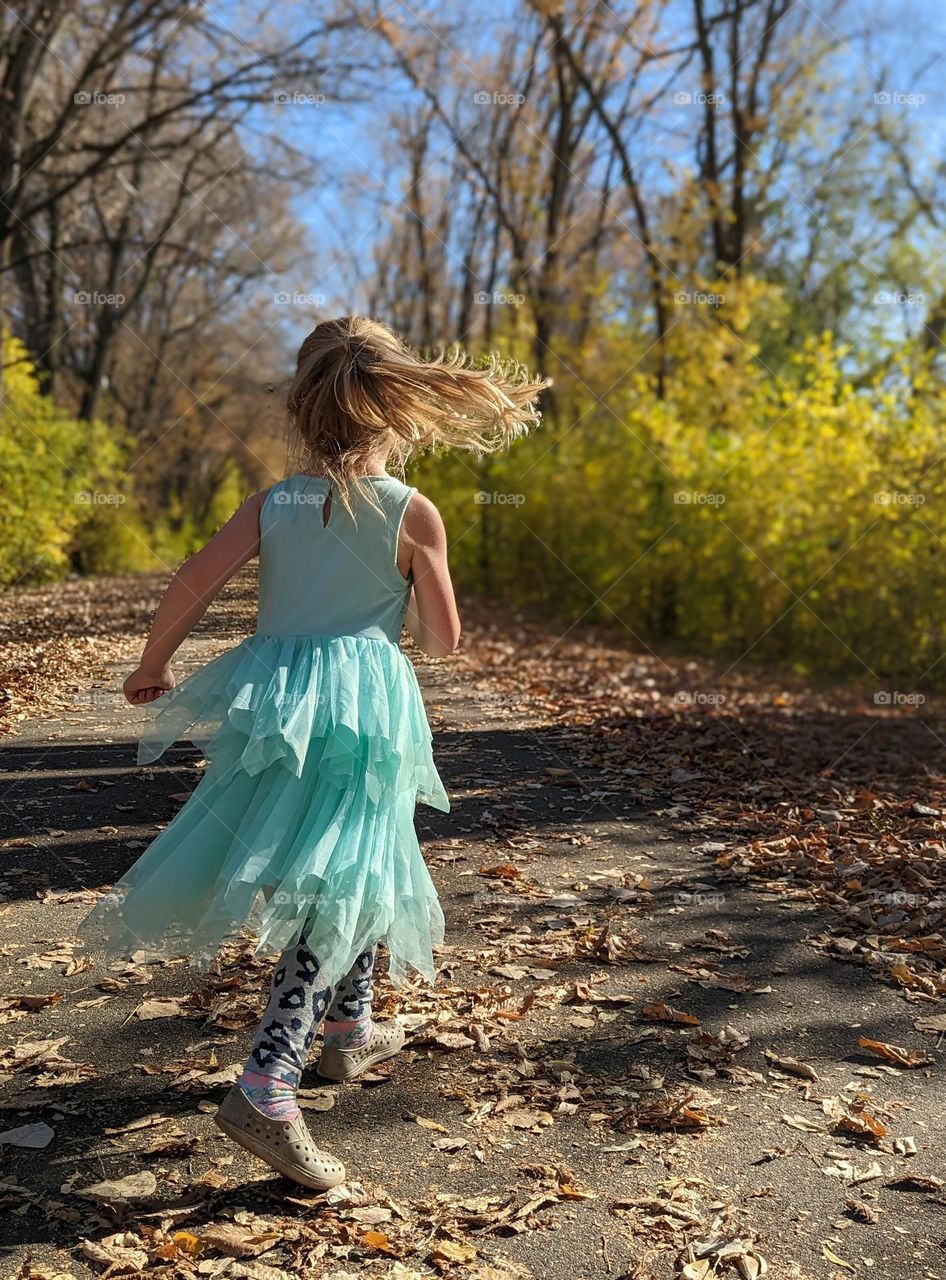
145, 685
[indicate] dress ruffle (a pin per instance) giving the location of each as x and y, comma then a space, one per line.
318, 751
266, 701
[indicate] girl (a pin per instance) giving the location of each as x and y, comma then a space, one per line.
314, 726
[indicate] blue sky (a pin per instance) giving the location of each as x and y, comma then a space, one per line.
892, 46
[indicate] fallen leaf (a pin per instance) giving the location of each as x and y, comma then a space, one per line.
526, 1118
916, 1182
430, 1124
804, 1123
843, 1169
792, 1066
893, 1053
115, 1256
316, 1099
238, 1241
934, 1023
35, 1136
135, 1186
833, 1257
451, 1144
658, 1011
701, 1269
378, 1241
453, 1251
30, 1001
160, 1007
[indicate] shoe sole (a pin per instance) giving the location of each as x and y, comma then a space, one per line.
371, 1061
266, 1154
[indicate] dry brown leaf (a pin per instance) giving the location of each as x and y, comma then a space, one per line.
893, 1053
430, 1124
526, 1118
379, 1242
452, 1040
833, 1257
793, 1066
934, 1023
700, 1269
453, 1251
135, 1186
116, 1256
238, 1241
35, 1136
804, 1123
863, 1124
916, 1182
30, 1001
567, 1192
162, 1007
451, 1144
658, 1011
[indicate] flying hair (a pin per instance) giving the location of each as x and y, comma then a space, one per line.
358, 386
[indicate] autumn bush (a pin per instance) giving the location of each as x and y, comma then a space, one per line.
67, 503
783, 514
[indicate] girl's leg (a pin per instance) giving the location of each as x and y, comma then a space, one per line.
348, 1021
298, 1002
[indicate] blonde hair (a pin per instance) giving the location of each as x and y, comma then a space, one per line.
358, 386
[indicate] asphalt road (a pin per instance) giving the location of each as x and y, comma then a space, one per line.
546, 1084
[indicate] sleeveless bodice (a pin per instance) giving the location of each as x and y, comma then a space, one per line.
336, 579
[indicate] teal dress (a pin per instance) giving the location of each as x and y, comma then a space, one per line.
318, 748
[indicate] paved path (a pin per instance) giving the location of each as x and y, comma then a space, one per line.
538, 1125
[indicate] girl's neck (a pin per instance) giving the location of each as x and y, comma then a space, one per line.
376, 471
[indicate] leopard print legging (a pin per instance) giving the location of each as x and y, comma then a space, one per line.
298, 1002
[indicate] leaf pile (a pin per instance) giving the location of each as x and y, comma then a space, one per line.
819, 793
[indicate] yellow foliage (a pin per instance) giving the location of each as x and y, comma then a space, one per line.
789, 514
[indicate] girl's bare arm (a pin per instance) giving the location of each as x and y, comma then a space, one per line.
432, 617
190, 591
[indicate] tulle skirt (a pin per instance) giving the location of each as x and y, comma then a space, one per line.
303, 824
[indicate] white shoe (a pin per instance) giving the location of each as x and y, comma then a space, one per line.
387, 1039
285, 1145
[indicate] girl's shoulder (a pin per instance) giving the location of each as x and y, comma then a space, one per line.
423, 524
